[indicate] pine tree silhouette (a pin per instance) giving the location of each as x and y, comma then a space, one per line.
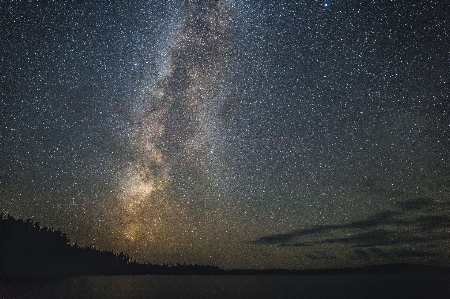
28, 250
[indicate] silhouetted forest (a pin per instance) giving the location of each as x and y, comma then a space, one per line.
30, 251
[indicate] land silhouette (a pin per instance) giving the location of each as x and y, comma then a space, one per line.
29, 251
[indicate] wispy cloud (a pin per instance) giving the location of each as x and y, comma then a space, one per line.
412, 222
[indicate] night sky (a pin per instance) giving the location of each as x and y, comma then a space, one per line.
242, 134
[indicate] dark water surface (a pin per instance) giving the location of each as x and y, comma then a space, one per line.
276, 286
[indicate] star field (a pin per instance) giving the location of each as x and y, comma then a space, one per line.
294, 134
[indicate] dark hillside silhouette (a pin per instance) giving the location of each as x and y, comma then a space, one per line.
28, 250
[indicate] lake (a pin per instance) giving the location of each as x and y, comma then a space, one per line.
229, 286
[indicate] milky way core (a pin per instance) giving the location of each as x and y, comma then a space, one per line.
176, 129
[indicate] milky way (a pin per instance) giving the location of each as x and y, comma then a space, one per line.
175, 130
279, 134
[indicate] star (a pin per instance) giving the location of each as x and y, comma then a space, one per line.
230, 132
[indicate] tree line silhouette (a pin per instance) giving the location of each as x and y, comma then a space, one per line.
29, 250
